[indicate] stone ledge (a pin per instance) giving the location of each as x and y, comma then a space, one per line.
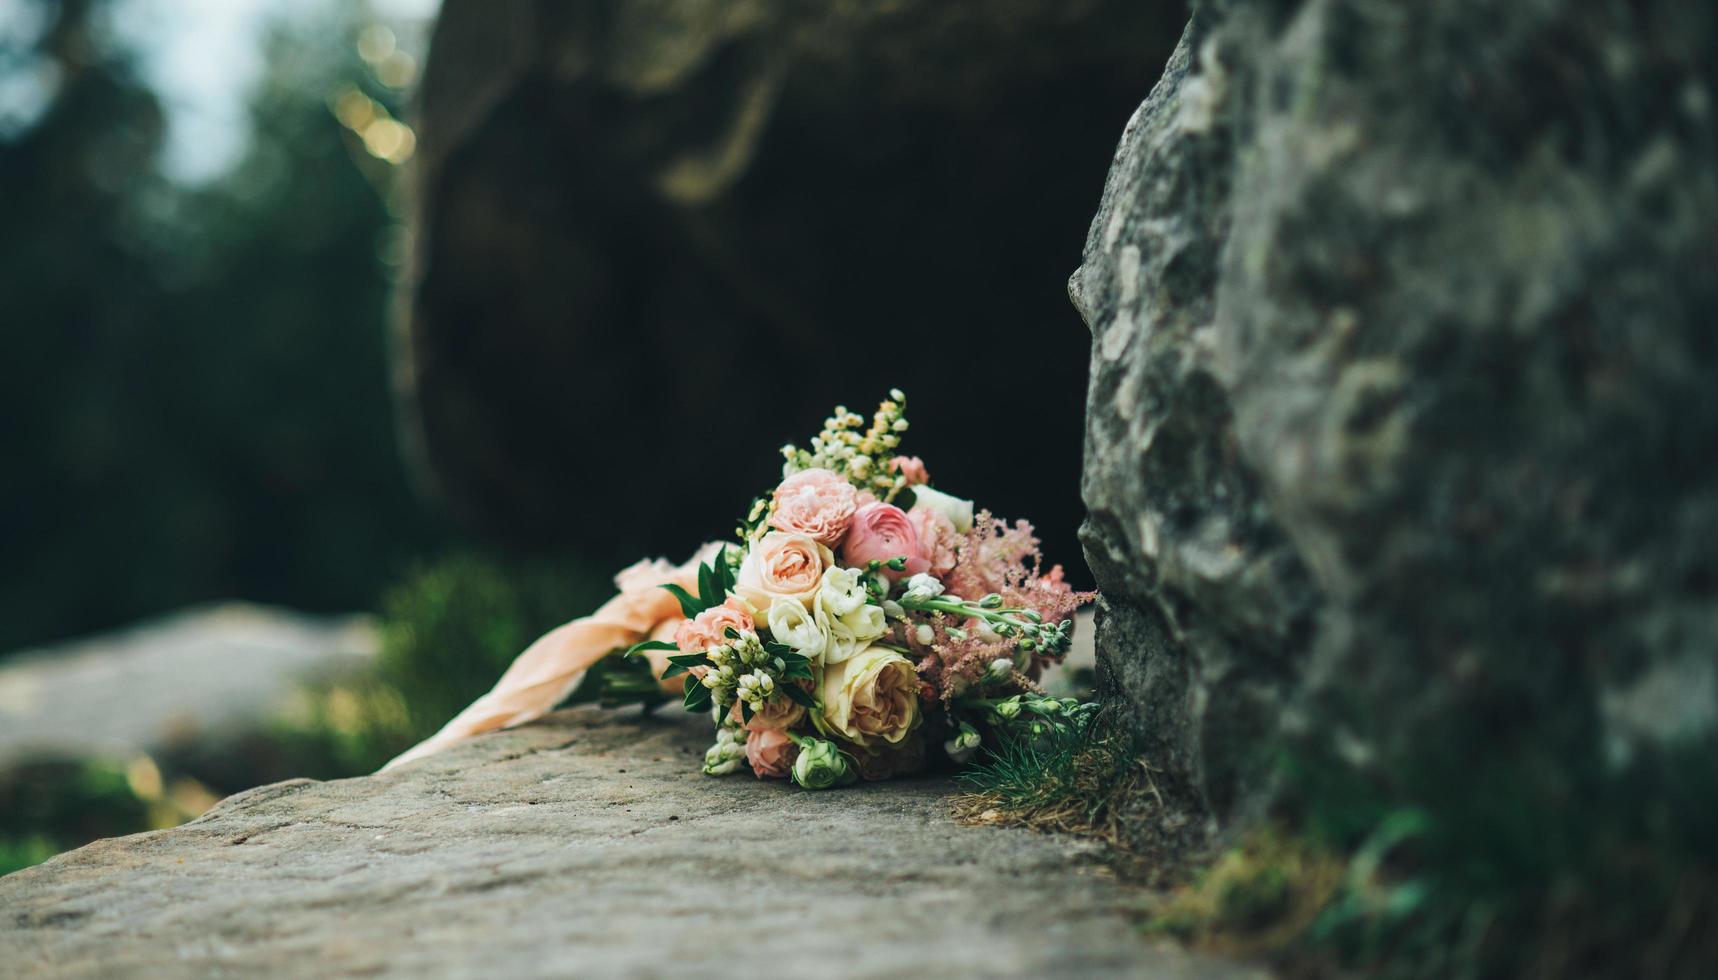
588, 845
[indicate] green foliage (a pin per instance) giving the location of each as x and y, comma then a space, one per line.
456, 624
1077, 778
49, 806
1597, 872
197, 405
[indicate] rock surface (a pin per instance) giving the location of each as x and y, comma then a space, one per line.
1400, 427
588, 845
190, 677
628, 207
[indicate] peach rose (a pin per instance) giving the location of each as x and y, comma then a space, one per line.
771, 753
937, 539
780, 564
881, 532
911, 467
871, 698
816, 503
709, 628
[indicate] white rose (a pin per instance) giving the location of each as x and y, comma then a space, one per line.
791, 624
958, 511
841, 591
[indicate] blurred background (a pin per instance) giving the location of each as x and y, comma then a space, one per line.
352, 345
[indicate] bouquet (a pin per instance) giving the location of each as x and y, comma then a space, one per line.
864, 625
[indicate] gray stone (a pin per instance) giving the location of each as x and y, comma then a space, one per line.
1400, 425
192, 677
587, 845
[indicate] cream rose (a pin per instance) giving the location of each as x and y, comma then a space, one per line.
872, 697
781, 565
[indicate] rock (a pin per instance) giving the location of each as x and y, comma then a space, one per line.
1400, 426
198, 676
587, 844
644, 226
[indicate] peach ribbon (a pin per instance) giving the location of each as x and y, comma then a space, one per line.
551, 667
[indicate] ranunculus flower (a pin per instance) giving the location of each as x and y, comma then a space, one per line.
796, 626
881, 532
911, 467
816, 503
872, 697
957, 510
938, 538
771, 753
781, 565
710, 627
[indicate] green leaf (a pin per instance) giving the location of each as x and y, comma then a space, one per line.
707, 587
689, 606
649, 645
697, 695
674, 670
799, 695
781, 650
798, 672
745, 712
689, 659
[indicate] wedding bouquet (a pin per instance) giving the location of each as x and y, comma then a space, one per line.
864, 623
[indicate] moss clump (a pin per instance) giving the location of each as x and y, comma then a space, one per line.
1088, 780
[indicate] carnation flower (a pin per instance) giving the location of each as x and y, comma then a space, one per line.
816, 503
709, 628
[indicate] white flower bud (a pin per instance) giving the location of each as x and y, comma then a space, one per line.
925, 634
923, 586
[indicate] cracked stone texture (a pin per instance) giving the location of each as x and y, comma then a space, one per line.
625, 205
1400, 422
587, 845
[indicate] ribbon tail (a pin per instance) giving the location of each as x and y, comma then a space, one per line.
549, 669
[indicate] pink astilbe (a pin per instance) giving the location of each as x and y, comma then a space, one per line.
993, 557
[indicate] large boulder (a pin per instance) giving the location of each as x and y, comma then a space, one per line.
1399, 452
655, 239
586, 845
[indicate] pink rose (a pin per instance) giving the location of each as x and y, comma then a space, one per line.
709, 628
911, 467
781, 565
771, 753
881, 532
937, 539
816, 503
